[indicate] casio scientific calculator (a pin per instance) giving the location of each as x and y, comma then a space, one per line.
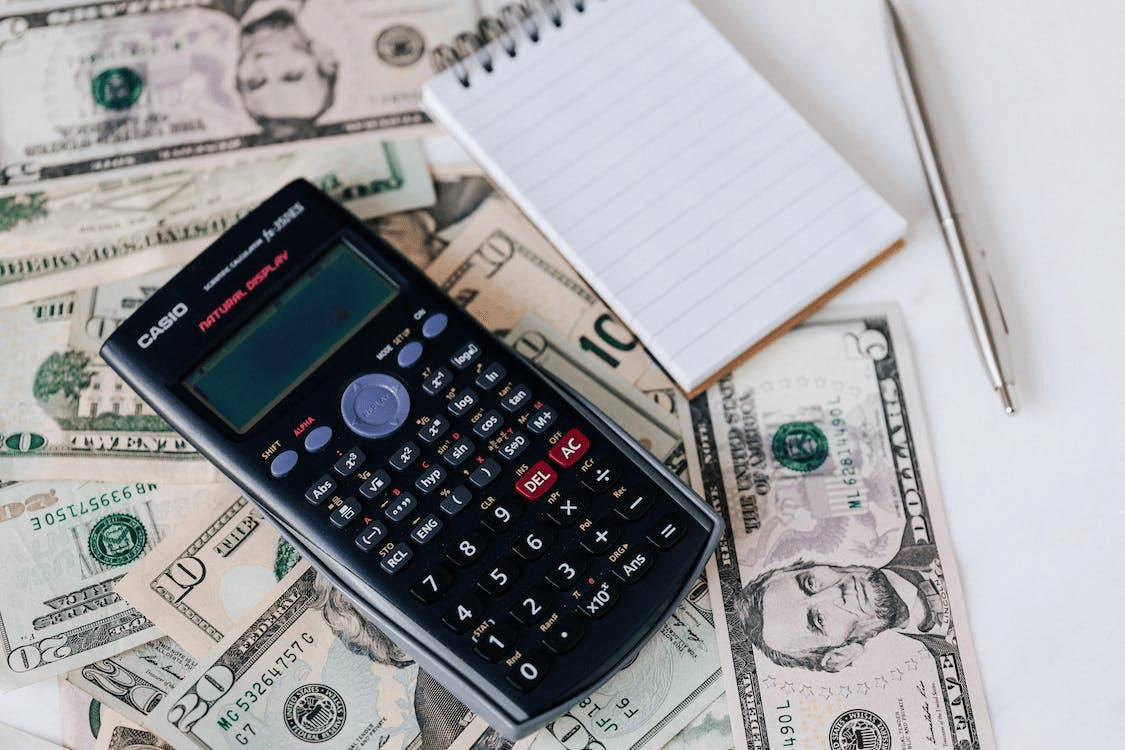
498, 527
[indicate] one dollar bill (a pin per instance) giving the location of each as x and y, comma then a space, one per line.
839, 604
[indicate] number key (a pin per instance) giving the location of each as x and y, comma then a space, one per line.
495, 642
564, 575
499, 578
466, 550
529, 671
534, 542
465, 613
532, 606
500, 515
433, 585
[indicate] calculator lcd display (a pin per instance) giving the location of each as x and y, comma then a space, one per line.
301, 328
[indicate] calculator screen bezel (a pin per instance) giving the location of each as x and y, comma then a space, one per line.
243, 335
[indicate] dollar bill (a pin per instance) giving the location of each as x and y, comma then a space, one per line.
131, 87
11, 737
82, 234
500, 268
134, 682
655, 429
64, 413
119, 733
305, 670
80, 717
841, 610
65, 546
423, 234
673, 677
216, 568
708, 731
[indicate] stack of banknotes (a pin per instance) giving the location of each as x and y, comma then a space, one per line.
131, 136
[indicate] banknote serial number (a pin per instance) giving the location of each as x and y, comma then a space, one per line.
92, 504
259, 687
843, 450
785, 727
606, 722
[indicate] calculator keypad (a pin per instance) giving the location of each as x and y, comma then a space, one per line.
514, 521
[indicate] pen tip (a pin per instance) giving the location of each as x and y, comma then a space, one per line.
1008, 398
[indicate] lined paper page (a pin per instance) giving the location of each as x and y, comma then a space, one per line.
685, 190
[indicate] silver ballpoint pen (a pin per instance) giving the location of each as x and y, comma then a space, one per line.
979, 293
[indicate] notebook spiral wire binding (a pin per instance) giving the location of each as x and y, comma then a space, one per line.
515, 19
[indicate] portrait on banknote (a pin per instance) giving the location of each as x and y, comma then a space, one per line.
834, 578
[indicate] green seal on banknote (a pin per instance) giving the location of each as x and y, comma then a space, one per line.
117, 539
117, 88
800, 446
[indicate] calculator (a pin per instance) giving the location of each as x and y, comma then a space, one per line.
505, 533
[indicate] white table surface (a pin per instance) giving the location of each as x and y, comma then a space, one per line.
1027, 100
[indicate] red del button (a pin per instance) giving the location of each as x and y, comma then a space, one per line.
536, 480
571, 448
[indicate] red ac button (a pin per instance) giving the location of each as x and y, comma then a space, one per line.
571, 448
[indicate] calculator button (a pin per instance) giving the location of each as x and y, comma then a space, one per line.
534, 542
630, 568
529, 671
465, 356
635, 504
376, 485
396, 559
404, 455
564, 574
432, 430
564, 634
409, 354
514, 445
516, 398
536, 480
495, 643
430, 479
541, 419
500, 515
466, 550
434, 325
600, 478
499, 578
572, 447
456, 501
568, 510
349, 463
599, 599
345, 512
318, 438
425, 530
375, 405
600, 536
468, 611
487, 425
322, 489
463, 401
456, 454
283, 463
439, 379
400, 507
433, 585
484, 473
667, 531
491, 376
532, 606
371, 535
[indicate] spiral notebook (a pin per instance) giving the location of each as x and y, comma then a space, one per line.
684, 189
